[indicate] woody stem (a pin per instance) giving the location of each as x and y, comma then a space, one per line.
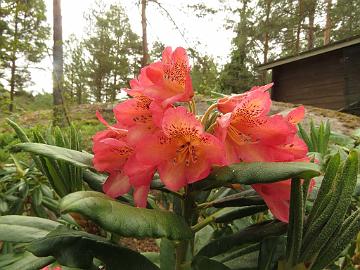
185, 247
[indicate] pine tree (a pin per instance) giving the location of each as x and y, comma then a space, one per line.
76, 72
23, 40
236, 76
111, 53
346, 19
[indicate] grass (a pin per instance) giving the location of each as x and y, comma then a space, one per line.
83, 118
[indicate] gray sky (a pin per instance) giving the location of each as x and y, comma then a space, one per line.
209, 32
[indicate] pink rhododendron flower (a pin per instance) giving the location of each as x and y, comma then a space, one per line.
167, 81
249, 135
228, 104
140, 115
181, 150
114, 154
51, 268
151, 135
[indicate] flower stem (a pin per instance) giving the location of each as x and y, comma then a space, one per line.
207, 113
184, 248
211, 128
193, 106
202, 224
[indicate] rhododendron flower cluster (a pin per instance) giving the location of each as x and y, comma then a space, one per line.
153, 134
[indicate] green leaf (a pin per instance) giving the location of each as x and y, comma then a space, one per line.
271, 250
347, 181
237, 253
80, 159
23, 138
249, 173
167, 254
251, 234
314, 136
22, 229
203, 237
204, 263
238, 212
326, 184
245, 262
339, 241
78, 249
126, 220
296, 219
306, 138
23, 261
154, 257
94, 180
37, 196
238, 199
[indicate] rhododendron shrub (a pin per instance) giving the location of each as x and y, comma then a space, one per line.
154, 133
230, 184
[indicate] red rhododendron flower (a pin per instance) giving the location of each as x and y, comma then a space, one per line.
114, 154
181, 150
228, 104
249, 135
151, 135
140, 115
167, 81
53, 268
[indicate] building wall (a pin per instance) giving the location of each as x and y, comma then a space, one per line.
320, 80
352, 78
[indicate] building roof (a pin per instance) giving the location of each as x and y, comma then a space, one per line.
320, 50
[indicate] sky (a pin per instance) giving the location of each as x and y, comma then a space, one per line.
207, 35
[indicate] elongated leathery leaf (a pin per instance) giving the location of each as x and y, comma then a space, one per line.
258, 172
24, 261
252, 234
314, 135
80, 159
167, 254
339, 241
24, 138
202, 263
126, 220
348, 182
94, 180
296, 219
22, 229
325, 209
238, 199
240, 212
226, 257
78, 249
271, 250
306, 138
325, 187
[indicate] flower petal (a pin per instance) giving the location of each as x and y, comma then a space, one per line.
296, 115
172, 175
116, 184
140, 195
178, 121
155, 148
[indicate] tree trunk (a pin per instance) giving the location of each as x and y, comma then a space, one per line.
266, 38
59, 113
145, 58
328, 23
79, 94
298, 32
114, 89
312, 9
13, 60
